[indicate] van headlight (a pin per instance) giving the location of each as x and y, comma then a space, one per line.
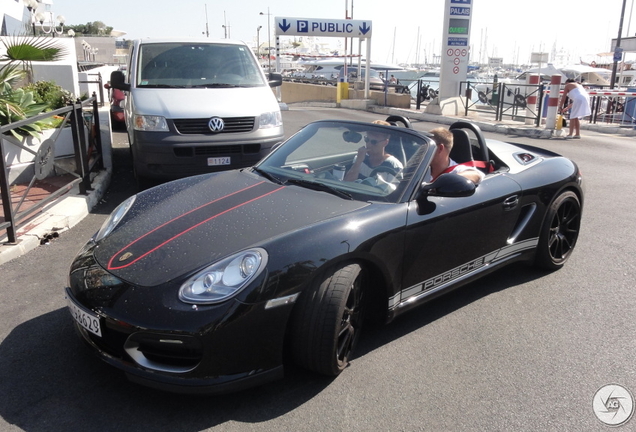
150, 123
225, 278
270, 120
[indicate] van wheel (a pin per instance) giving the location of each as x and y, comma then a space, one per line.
143, 183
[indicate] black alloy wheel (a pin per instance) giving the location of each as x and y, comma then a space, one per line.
560, 231
327, 321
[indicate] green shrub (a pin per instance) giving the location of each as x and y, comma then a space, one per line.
50, 94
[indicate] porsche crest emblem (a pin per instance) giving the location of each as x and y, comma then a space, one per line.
125, 256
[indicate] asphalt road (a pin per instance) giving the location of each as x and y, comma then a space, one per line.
520, 350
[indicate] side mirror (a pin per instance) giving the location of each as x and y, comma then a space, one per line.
118, 81
275, 79
449, 185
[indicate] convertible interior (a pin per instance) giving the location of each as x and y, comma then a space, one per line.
319, 150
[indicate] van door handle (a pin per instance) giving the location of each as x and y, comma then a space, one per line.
511, 202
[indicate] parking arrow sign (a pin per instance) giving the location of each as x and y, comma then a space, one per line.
284, 26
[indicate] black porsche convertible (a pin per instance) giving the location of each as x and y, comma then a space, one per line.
213, 283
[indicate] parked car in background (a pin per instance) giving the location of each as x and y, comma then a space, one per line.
196, 106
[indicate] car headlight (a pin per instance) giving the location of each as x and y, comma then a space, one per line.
150, 123
115, 217
270, 120
225, 278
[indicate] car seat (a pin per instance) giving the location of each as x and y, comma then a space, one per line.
395, 148
461, 151
466, 150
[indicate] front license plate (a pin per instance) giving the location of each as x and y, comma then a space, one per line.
86, 319
219, 161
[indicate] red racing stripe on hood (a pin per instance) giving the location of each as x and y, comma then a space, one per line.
112, 266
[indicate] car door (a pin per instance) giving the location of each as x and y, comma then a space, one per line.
451, 237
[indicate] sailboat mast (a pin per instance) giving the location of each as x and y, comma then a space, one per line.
393, 48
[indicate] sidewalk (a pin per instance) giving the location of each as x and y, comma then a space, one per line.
57, 217
71, 208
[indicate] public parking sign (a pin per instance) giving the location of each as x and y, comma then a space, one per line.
323, 27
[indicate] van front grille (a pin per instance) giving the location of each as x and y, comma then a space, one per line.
200, 126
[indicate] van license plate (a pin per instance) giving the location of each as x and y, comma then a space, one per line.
218, 161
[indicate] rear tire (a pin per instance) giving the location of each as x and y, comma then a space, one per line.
560, 231
327, 322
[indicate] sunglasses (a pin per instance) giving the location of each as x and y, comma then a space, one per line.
373, 141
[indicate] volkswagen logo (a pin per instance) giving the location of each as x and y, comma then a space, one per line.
216, 124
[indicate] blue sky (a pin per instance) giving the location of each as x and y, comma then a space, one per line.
510, 32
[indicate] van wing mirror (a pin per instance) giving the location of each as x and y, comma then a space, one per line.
118, 81
275, 79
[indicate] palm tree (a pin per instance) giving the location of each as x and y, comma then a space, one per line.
15, 103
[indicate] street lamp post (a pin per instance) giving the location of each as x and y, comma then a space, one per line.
269, 41
40, 17
32, 6
618, 55
258, 41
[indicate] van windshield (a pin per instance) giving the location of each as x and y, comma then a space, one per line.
197, 65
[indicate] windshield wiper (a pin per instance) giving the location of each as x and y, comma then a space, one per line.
269, 176
320, 187
160, 86
215, 85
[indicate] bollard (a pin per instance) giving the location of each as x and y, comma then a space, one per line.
342, 91
553, 102
531, 102
342, 87
495, 96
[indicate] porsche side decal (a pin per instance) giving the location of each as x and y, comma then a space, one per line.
420, 290
186, 222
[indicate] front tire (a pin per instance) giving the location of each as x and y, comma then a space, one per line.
328, 320
560, 231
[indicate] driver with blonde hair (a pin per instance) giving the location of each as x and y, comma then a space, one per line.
373, 155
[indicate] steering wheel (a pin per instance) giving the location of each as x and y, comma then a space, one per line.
383, 168
374, 180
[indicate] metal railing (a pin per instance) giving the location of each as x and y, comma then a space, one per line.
505, 100
100, 85
83, 118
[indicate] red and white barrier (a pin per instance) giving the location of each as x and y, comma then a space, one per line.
603, 93
531, 101
553, 102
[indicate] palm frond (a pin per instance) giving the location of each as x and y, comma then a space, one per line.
9, 75
28, 49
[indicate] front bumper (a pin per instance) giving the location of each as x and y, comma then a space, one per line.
168, 155
175, 383
176, 347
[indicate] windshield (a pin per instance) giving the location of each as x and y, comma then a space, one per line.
323, 155
197, 65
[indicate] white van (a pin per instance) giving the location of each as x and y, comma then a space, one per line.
195, 106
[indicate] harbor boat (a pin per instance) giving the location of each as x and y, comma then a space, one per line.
330, 69
516, 89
